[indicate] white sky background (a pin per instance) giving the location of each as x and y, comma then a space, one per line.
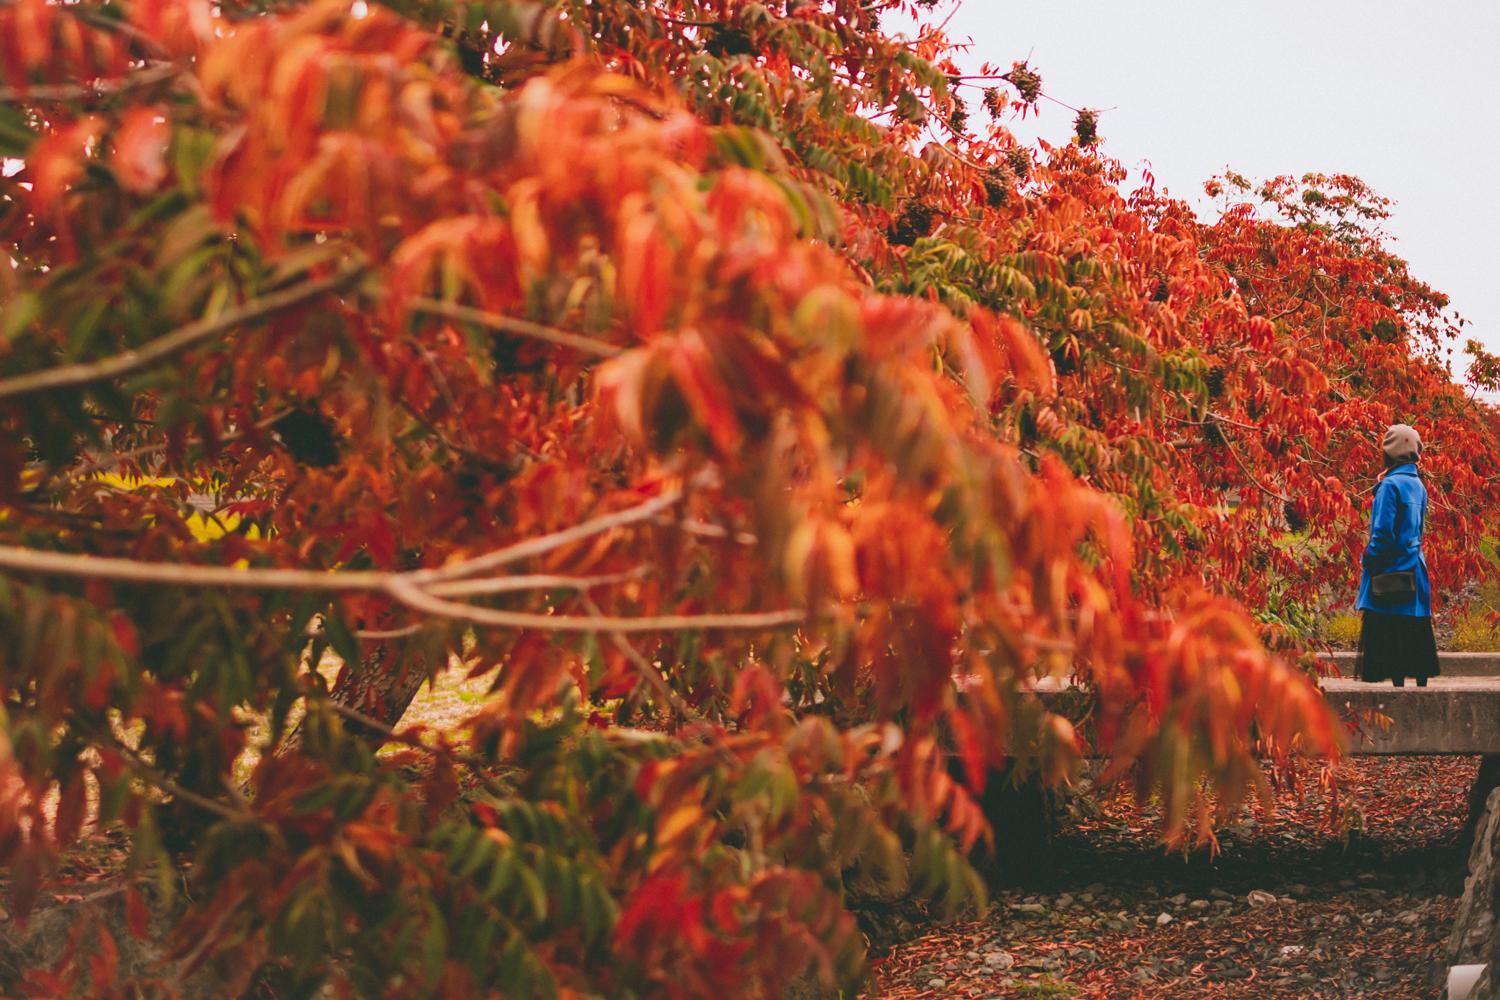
1401, 94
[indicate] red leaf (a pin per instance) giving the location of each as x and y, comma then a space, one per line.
137, 917
104, 963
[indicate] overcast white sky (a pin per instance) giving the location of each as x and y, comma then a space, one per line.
1405, 95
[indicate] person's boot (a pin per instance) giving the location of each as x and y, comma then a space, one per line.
1421, 682
1399, 682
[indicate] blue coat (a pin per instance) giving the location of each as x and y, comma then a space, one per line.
1396, 522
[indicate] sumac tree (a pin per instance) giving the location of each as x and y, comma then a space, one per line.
662, 366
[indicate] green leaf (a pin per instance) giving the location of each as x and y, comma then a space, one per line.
18, 314
502, 874
535, 894
85, 328
434, 944
482, 850
16, 133
341, 639
112, 797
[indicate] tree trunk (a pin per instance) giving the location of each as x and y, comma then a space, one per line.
1025, 816
382, 685
1485, 781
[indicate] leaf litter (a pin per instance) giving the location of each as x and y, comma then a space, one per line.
1320, 897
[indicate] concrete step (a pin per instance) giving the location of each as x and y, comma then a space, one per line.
1452, 664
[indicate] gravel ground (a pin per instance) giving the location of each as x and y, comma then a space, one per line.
1290, 906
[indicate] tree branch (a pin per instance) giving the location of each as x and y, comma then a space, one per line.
145, 77
424, 590
706, 530
546, 543
176, 342
144, 770
520, 327
138, 571
401, 587
646, 668
1251, 476
537, 581
414, 597
392, 735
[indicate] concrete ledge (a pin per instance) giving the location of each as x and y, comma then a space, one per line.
1452, 715
1452, 664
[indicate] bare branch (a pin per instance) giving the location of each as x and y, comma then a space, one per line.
382, 633
152, 74
705, 530
1251, 476
645, 668
171, 574
401, 587
536, 581
403, 590
148, 773
520, 327
176, 342
392, 735
425, 590
546, 543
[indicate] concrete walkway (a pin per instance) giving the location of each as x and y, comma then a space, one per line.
1452, 664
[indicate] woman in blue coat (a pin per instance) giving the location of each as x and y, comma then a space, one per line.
1395, 594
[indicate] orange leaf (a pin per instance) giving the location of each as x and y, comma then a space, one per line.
140, 160
56, 161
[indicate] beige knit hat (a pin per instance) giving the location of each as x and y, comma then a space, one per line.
1402, 441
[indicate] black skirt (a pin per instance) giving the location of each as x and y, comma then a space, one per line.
1395, 646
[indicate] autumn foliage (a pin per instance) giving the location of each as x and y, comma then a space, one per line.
760, 423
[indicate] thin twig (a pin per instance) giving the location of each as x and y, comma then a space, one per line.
385, 633
103, 463
535, 581
178, 341
144, 770
1006, 77
152, 74
706, 530
1212, 417
1233, 423
446, 391
393, 736
645, 668
1248, 475
520, 327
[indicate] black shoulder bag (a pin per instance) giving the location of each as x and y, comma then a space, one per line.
1391, 589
